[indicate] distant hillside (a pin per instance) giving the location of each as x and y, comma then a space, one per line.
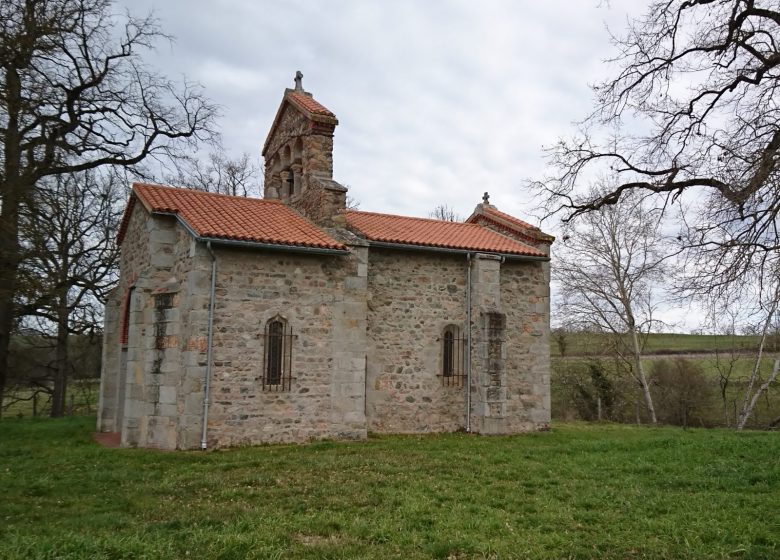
593, 344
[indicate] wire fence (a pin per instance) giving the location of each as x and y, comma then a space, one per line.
31, 401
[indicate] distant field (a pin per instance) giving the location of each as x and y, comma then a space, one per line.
579, 491
81, 399
579, 344
703, 397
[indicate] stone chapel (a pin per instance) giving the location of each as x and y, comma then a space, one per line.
290, 318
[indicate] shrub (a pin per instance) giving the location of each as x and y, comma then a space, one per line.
682, 395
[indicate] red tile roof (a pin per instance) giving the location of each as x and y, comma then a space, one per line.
308, 103
231, 217
511, 219
434, 233
508, 223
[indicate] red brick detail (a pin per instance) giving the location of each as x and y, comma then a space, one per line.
511, 225
511, 219
108, 439
124, 314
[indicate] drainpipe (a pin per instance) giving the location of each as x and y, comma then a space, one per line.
468, 344
209, 343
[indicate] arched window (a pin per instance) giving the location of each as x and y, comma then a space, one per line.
452, 356
278, 355
291, 183
448, 368
297, 153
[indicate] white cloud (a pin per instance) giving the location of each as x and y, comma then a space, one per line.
438, 101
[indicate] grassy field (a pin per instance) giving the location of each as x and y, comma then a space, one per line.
579, 491
585, 344
703, 397
82, 399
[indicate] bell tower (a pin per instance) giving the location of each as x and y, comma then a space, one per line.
298, 156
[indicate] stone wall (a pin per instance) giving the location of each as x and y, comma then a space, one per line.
166, 360
490, 374
152, 360
413, 297
134, 260
526, 300
322, 299
109, 377
366, 346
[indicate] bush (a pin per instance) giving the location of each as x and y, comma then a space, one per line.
682, 395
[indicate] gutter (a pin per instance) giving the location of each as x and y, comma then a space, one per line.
210, 345
429, 248
468, 345
254, 244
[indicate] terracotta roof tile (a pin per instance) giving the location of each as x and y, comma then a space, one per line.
231, 217
310, 104
511, 219
434, 233
487, 215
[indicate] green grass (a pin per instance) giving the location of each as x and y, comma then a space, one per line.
585, 344
741, 372
580, 491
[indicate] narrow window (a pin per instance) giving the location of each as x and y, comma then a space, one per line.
278, 356
275, 352
449, 354
124, 330
452, 356
291, 183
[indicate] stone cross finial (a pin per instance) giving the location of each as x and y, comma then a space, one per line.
298, 81
486, 198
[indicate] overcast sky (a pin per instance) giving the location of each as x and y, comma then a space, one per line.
438, 101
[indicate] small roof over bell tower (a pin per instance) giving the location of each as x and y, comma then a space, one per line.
321, 120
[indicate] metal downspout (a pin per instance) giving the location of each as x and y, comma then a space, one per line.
209, 343
468, 345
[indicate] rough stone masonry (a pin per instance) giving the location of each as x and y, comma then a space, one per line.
287, 319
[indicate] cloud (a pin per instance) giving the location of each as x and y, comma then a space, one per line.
438, 101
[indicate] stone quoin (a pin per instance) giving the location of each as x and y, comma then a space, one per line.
290, 318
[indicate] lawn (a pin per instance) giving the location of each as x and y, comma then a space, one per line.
579, 491
584, 344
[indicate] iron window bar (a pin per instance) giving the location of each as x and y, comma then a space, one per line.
277, 356
453, 367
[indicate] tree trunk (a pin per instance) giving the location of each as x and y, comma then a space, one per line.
750, 400
748, 410
9, 265
61, 357
640, 374
11, 190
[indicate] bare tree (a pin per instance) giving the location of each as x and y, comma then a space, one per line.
692, 108
606, 270
220, 174
70, 262
726, 361
445, 213
75, 95
755, 304
755, 387
561, 336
